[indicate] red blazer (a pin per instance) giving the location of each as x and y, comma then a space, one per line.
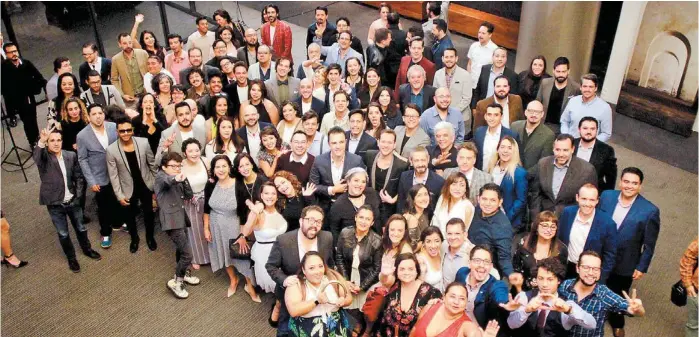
403, 72
282, 39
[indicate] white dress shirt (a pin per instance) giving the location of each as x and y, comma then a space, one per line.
67, 195
97, 65
480, 56
490, 144
101, 137
578, 237
255, 143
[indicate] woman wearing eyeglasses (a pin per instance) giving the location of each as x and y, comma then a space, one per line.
540, 243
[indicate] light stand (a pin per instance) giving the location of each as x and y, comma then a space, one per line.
14, 149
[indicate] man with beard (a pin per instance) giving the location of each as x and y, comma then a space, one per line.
277, 33
93, 61
132, 170
442, 41
638, 224
594, 298
535, 139
416, 48
340, 51
597, 153
459, 83
282, 87
416, 91
420, 174
289, 249
488, 137
555, 180
555, 92
330, 167
377, 55
321, 31
177, 60
250, 132
385, 168
466, 161
541, 311
155, 67
441, 111
93, 142
195, 60
490, 226
485, 292
128, 69
481, 52
511, 104
583, 228
587, 104
485, 86
171, 139
248, 52
20, 82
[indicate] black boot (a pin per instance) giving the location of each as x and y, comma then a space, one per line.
150, 238
86, 247
69, 251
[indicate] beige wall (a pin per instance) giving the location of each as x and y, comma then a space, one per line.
660, 17
556, 29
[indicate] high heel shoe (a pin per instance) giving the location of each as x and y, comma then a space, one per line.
251, 292
232, 290
17, 266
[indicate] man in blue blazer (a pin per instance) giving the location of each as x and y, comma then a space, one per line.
92, 143
420, 174
493, 117
491, 292
583, 228
638, 224
326, 173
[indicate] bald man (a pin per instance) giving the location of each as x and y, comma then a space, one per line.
250, 130
441, 111
535, 138
306, 101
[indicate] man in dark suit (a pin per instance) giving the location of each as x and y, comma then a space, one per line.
416, 48
330, 167
484, 87
416, 91
638, 224
420, 174
511, 104
321, 31
195, 59
250, 132
307, 102
385, 159
488, 137
358, 141
61, 184
597, 153
581, 227
93, 61
289, 249
555, 180
535, 138
555, 91
399, 43
377, 55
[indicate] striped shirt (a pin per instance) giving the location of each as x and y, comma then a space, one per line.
601, 301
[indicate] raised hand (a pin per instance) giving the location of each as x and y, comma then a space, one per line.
169, 141
491, 330
139, 18
308, 190
511, 305
442, 159
635, 304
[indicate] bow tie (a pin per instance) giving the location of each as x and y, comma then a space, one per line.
282, 82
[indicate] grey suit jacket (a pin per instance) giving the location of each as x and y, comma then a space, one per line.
171, 196
420, 138
273, 90
544, 93
539, 144
120, 172
284, 259
111, 94
199, 134
479, 179
254, 71
52, 189
579, 173
92, 156
461, 90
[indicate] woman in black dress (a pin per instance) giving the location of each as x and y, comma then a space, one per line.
293, 197
368, 91
73, 120
150, 121
248, 182
529, 80
257, 94
354, 74
345, 207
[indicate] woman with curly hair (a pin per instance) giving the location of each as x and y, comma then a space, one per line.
270, 150
73, 120
162, 87
292, 197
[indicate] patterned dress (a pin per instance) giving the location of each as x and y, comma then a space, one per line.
395, 322
195, 211
225, 225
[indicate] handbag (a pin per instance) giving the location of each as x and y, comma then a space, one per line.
235, 249
678, 294
374, 303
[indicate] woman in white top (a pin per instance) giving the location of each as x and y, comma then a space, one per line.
319, 81
507, 171
218, 104
453, 203
312, 310
290, 123
226, 141
430, 257
197, 172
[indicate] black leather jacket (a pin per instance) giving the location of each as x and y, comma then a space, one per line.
370, 253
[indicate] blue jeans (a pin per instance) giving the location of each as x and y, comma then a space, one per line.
59, 213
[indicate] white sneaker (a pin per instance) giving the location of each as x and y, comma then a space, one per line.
191, 280
177, 289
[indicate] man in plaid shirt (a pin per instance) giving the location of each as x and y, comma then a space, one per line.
595, 298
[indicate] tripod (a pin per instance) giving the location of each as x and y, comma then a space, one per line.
14, 149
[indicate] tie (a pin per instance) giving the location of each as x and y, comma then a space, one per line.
282, 82
541, 320
93, 67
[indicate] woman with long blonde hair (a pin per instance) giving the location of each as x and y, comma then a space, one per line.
507, 171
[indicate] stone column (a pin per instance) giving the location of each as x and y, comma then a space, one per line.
556, 29
622, 50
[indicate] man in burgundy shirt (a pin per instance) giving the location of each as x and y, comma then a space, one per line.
298, 161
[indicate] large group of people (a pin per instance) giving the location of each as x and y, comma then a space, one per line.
379, 192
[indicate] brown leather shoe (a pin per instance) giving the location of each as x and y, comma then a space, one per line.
619, 332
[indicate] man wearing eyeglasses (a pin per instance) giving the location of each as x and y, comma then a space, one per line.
297, 161
583, 228
289, 249
132, 169
98, 92
535, 139
93, 61
596, 299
